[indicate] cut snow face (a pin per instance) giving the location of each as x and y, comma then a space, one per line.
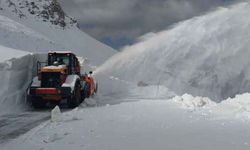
10, 53
204, 56
16, 72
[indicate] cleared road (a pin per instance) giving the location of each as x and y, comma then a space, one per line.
13, 125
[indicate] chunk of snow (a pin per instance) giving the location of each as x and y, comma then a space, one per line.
75, 114
56, 115
188, 101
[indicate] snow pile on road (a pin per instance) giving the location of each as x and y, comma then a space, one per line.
204, 56
190, 102
239, 107
35, 26
56, 115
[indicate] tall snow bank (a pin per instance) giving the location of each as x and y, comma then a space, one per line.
238, 106
16, 74
204, 56
8, 53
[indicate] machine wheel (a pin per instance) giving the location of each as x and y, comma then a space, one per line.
96, 87
38, 102
75, 99
87, 92
55, 103
84, 92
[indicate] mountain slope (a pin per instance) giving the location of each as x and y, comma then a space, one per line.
205, 56
40, 26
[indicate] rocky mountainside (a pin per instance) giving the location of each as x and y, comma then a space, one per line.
45, 10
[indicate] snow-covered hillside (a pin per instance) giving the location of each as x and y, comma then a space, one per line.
205, 56
42, 25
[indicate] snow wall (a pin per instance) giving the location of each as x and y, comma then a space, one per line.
16, 74
204, 56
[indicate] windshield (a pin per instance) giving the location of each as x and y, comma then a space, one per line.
59, 60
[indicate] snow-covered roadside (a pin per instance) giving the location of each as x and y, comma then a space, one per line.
141, 125
231, 108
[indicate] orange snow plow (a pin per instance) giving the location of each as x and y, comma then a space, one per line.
91, 85
60, 78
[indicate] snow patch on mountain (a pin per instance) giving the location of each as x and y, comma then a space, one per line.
12, 26
43, 10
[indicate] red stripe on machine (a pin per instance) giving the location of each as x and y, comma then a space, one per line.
47, 91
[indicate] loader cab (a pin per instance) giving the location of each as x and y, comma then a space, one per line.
64, 58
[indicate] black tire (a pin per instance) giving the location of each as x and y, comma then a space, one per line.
84, 92
75, 99
87, 91
38, 102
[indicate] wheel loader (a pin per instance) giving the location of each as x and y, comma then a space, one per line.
60, 79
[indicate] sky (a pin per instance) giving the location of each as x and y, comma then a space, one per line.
118, 23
